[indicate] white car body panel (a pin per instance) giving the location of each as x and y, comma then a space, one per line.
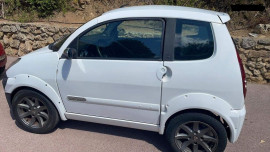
129, 93
26, 80
211, 76
207, 102
163, 12
106, 84
115, 122
41, 77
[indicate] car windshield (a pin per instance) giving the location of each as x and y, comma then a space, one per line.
58, 43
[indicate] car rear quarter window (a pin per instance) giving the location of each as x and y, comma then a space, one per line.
193, 40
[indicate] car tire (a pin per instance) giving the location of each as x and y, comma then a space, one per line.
184, 135
34, 112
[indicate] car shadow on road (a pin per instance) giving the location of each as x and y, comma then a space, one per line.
151, 137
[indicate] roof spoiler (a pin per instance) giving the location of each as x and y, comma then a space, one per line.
224, 17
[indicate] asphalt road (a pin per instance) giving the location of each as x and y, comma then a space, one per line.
75, 136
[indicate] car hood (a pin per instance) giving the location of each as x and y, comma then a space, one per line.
39, 51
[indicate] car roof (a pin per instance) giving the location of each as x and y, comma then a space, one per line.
166, 12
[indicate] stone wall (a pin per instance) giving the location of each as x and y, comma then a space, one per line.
19, 39
255, 55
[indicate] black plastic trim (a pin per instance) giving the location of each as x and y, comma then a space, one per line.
168, 53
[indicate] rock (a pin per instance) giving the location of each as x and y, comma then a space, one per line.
251, 68
6, 40
250, 64
1, 35
22, 47
264, 41
243, 58
18, 27
63, 30
258, 79
25, 30
52, 29
44, 35
11, 52
259, 59
15, 44
236, 40
263, 70
267, 27
13, 29
8, 34
72, 30
43, 29
30, 37
257, 54
37, 32
248, 43
6, 28
259, 47
266, 59
43, 44
37, 45
259, 65
253, 34
267, 66
56, 37
24, 25
33, 28
267, 76
253, 59
21, 53
20, 37
28, 46
249, 73
256, 72
259, 29
243, 51
49, 33
38, 38
50, 40
56, 30
267, 48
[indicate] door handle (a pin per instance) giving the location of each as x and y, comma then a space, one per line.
161, 72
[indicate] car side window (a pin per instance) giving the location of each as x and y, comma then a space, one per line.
193, 40
130, 39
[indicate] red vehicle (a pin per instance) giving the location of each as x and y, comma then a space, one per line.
3, 58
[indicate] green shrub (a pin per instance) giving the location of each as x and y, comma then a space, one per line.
43, 8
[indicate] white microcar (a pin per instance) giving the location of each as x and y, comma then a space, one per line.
168, 69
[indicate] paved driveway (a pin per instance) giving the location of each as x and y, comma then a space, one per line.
75, 136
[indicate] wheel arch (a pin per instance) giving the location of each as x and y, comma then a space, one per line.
13, 85
204, 103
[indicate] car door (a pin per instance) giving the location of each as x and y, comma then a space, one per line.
116, 73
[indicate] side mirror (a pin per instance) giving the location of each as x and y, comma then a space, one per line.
70, 53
